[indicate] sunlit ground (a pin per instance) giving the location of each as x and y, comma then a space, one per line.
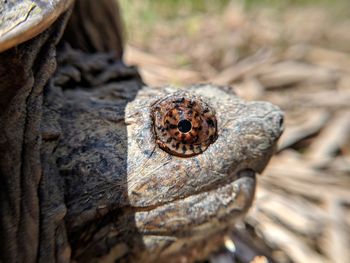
295, 54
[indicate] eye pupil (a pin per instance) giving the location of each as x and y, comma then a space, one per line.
184, 126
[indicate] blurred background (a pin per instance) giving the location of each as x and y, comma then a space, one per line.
295, 54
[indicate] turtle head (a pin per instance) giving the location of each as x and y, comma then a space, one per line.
173, 168
188, 189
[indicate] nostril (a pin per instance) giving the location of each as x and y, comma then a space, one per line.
281, 121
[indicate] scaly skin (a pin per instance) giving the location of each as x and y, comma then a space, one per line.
126, 198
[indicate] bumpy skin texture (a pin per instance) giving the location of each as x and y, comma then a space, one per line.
126, 198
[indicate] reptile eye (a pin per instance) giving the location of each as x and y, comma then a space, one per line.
184, 124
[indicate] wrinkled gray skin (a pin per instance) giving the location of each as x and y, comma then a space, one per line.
126, 198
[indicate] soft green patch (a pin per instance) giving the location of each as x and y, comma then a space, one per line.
142, 16
153, 10
169, 9
336, 7
182, 60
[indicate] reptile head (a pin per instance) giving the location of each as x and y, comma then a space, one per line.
198, 196
166, 202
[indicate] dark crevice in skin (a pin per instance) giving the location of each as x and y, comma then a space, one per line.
85, 240
89, 231
43, 58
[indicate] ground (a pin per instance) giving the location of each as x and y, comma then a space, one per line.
295, 54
